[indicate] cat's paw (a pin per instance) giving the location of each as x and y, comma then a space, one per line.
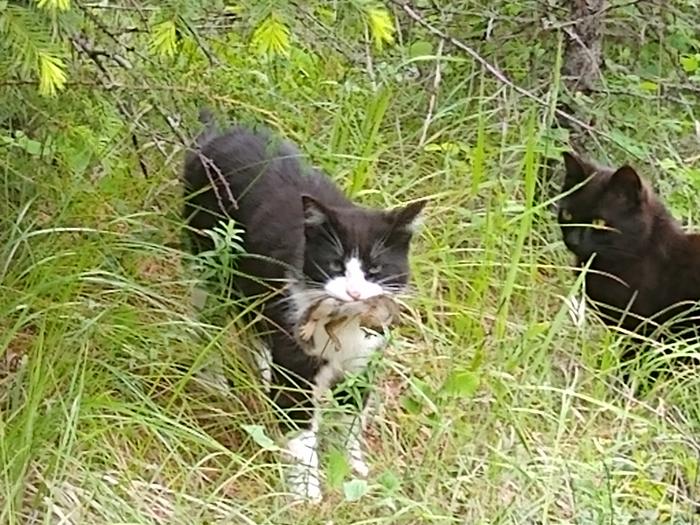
359, 467
303, 476
304, 483
355, 456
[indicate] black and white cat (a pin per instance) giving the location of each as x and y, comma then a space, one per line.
304, 240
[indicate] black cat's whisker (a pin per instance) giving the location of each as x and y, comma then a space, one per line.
379, 248
388, 279
331, 236
322, 270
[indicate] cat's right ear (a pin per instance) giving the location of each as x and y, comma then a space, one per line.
626, 184
577, 170
314, 213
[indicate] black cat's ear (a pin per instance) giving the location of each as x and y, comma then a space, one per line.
314, 213
577, 170
409, 218
627, 184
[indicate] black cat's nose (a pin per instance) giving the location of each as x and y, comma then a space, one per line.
573, 237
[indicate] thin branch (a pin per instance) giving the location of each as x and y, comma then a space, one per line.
547, 25
84, 47
115, 7
213, 61
370, 63
498, 74
207, 163
433, 95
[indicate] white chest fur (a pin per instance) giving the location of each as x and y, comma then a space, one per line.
347, 352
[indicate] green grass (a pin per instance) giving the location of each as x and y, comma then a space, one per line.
491, 407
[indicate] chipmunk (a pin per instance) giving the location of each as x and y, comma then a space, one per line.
377, 312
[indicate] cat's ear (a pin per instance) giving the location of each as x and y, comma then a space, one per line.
409, 218
577, 170
626, 184
314, 213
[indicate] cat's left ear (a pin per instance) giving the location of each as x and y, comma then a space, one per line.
409, 218
627, 184
315, 213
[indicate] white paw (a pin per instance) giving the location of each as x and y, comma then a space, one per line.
304, 483
359, 467
303, 477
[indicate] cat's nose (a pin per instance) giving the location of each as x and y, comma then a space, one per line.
354, 293
573, 238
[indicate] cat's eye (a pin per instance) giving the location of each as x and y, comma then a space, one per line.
375, 269
599, 223
566, 215
336, 266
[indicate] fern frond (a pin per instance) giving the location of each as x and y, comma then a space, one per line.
165, 38
271, 37
52, 73
378, 20
54, 5
23, 35
381, 26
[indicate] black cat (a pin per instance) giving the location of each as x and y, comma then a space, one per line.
304, 240
645, 271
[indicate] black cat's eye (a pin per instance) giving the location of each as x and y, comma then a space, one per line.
336, 266
566, 215
375, 269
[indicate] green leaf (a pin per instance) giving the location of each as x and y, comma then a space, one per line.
537, 329
338, 467
420, 48
461, 383
30, 146
412, 405
648, 85
21, 141
381, 26
354, 489
690, 63
164, 40
258, 434
271, 37
389, 481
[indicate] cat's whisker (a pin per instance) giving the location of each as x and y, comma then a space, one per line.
322, 271
379, 248
331, 235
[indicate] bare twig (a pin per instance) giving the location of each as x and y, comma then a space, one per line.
85, 47
433, 95
498, 74
609, 7
217, 181
591, 57
115, 7
202, 46
368, 58
582, 56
